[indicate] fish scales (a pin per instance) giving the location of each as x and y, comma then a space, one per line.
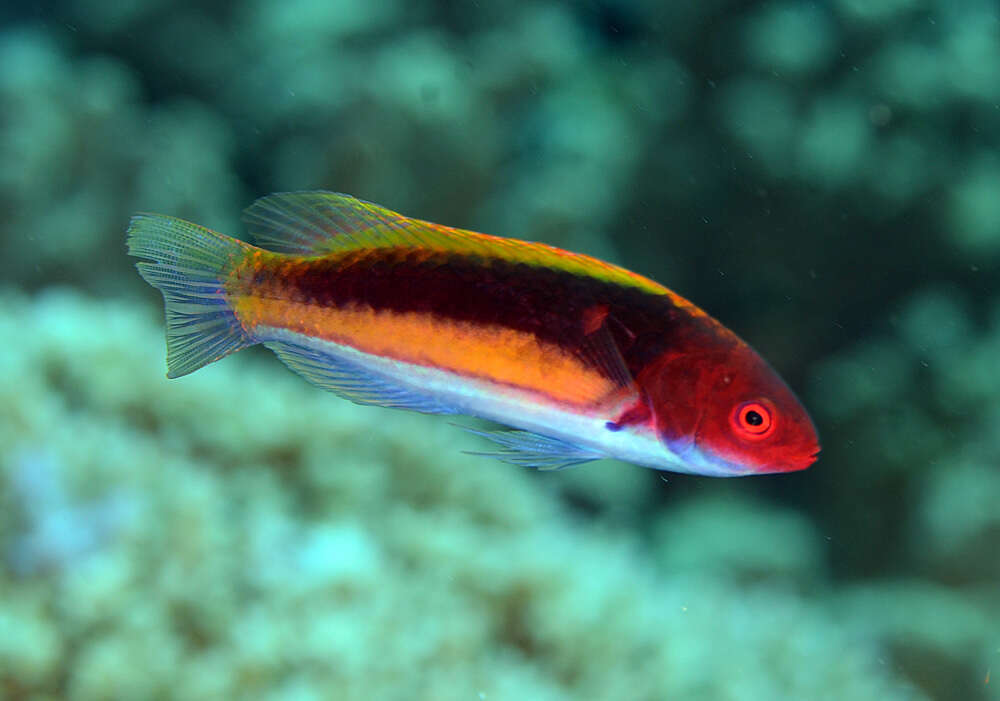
547, 304
582, 358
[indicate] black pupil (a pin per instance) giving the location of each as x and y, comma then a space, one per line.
753, 418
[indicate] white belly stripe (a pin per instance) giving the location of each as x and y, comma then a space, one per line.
503, 404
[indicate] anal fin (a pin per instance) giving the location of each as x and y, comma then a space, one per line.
352, 380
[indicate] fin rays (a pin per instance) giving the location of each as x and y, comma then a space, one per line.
186, 262
528, 449
351, 380
318, 222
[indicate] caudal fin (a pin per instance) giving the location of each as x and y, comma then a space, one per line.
188, 263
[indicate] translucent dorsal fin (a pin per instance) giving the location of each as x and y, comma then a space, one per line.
318, 222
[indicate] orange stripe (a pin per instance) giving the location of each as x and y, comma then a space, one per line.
493, 353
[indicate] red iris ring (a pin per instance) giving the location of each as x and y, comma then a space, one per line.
753, 420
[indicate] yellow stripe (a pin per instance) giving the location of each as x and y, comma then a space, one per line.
333, 223
493, 353
438, 237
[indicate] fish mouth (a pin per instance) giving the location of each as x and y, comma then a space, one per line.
809, 459
801, 463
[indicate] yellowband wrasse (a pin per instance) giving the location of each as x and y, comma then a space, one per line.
582, 359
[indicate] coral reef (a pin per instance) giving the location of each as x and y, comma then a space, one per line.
822, 177
290, 543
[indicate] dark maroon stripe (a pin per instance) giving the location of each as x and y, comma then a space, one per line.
549, 303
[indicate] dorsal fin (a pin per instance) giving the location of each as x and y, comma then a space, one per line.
319, 222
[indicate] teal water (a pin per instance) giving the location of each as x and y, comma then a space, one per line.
821, 177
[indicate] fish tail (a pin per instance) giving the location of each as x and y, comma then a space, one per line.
188, 264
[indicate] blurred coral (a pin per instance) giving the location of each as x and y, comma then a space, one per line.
822, 177
291, 542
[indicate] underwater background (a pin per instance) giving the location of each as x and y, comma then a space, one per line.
822, 177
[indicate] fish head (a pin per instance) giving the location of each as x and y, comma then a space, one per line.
728, 413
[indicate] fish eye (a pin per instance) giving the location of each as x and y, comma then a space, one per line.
753, 420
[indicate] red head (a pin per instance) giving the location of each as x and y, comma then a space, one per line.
724, 411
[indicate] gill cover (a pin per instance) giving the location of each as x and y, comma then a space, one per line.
726, 412
753, 420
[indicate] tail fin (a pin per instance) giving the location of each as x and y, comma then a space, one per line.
188, 263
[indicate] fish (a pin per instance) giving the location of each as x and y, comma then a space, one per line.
578, 359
